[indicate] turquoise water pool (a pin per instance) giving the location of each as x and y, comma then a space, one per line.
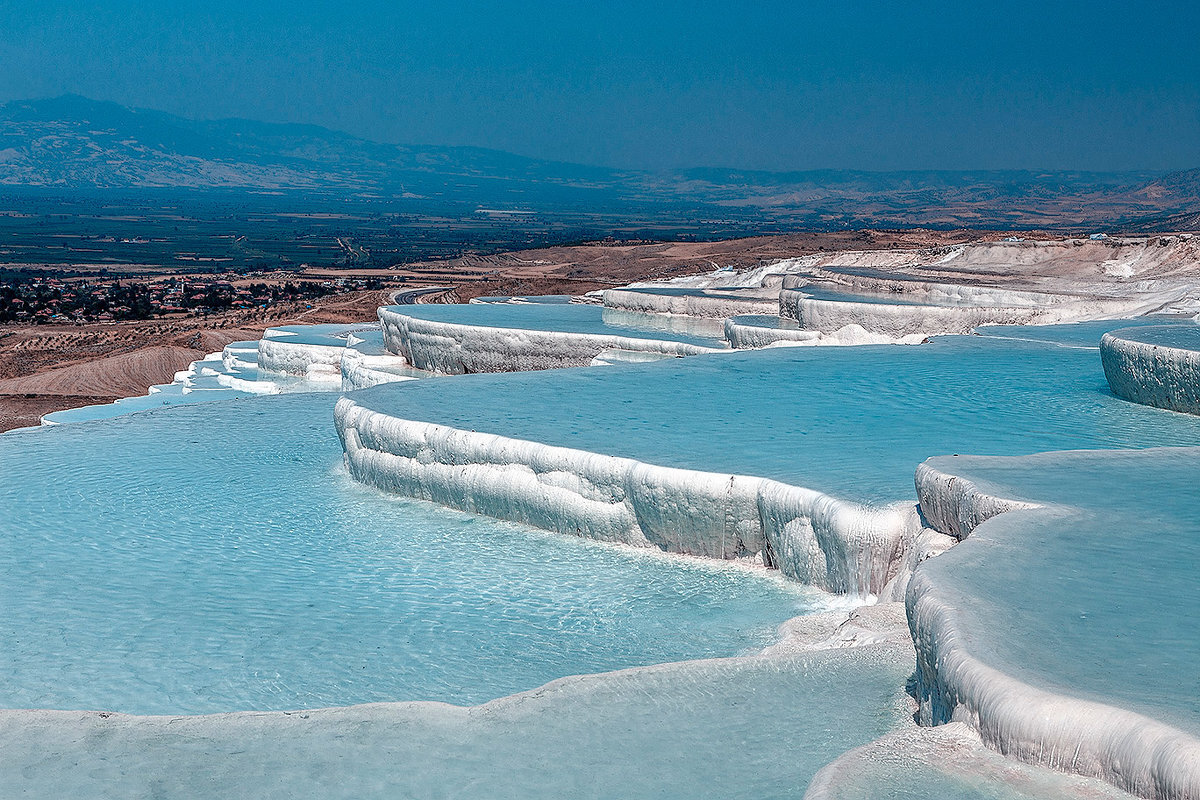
746, 728
567, 318
215, 557
330, 335
767, 321
694, 291
1096, 601
1086, 334
854, 422
1184, 337
836, 294
163, 396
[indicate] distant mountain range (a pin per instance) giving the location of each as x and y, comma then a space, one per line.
73, 143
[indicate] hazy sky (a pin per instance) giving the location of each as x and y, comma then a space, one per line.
789, 85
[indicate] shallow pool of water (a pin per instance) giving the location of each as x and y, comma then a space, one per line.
567, 318
854, 422
745, 728
215, 557
1096, 601
1184, 337
1086, 334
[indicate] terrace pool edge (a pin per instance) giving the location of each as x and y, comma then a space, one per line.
1129, 750
1151, 374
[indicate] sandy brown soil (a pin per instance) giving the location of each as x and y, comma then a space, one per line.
46, 368
103, 376
17, 411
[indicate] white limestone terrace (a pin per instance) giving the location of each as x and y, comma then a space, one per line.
504, 337
196, 384
796, 309
367, 362
232, 373
309, 358
310, 564
692, 301
535, 299
800, 457
1058, 629
751, 331
945, 762
297, 359
709, 728
312, 351
923, 308
339, 356
1036, 387
859, 297
1165, 266
1155, 365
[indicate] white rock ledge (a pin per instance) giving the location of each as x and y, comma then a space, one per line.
1150, 374
294, 358
973, 307
455, 349
933, 292
1129, 750
710, 306
896, 320
956, 506
364, 370
810, 537
744, 335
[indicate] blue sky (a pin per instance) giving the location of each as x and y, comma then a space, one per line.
798, 85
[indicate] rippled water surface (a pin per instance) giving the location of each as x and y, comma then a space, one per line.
215, 557
1097, 601
1087, 334
853, 421
569, 318
1186, 337
735, 728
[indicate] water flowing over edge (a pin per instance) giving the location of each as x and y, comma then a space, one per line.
1129, 750
835, 545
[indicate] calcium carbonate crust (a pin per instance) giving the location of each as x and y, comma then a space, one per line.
957, 506
933, 292
362, 370
240, 355
454, 349
691, 305
982, 306
813, 538
292, 358
745, 336
1132, 752
1153, 375
954, 751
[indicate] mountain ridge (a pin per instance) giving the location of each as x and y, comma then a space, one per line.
72, 142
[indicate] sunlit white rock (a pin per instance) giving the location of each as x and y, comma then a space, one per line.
834, 544
1153, 371
454, 349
